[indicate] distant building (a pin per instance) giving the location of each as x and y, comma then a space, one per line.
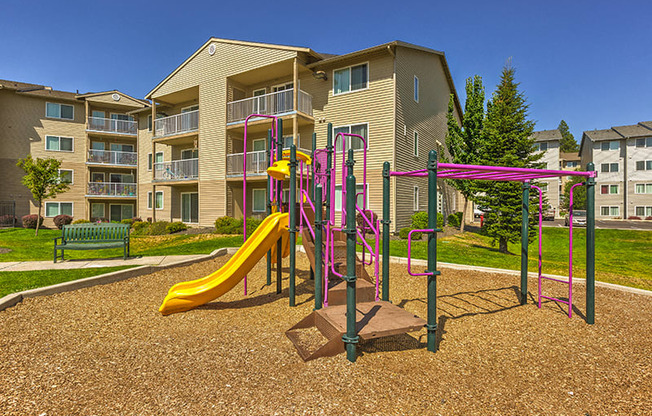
623, 158
548, 142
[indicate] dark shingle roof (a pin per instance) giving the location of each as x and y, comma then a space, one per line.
606, 134
36, 90
569, 156
545, 135
635, 130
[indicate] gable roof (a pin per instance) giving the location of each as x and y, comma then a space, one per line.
97, 94
545, 135
642, 129
36, 90
635, 130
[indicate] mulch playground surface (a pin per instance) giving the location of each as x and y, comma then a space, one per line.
106, 350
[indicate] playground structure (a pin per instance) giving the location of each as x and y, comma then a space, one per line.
347, 308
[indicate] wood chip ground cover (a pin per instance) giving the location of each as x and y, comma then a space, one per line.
106, 350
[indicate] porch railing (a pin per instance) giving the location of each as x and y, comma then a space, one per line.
177, 124
275, 103
113, 157
176, 170
111, 125
111, 189
256, 163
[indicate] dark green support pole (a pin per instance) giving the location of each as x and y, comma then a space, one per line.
318, 241
386, 221
329, 165
351, 337
431, 326
590, 247
524, 240
292, 205
269, 204
279, 196
312, 184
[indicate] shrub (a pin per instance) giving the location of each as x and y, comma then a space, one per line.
127, 221
361, 223
82, 221
175, 227
139, 226
8, 220
633, 217
99, 219
136, 219
455, 219
648, 218
420, 220
29, 221
149, 220
229, 225
252, 225
61, 220
403, 233
158, 228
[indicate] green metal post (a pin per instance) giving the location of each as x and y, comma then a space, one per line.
269, 204
386, 221
431, 326
524, 240
279, 196
318, 241
292, 205
351, 337
329, 166
590, 247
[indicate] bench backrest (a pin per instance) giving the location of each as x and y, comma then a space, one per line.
94, 232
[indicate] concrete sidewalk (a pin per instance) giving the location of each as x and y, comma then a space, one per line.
20, 266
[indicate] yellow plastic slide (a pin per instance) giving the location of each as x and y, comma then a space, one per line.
188, 295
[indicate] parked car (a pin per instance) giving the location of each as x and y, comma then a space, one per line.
549, 214
579, 218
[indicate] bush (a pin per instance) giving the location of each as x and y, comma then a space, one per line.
420, 220
455, 219
82, 221
361, 223
405, 232
158, 228
648, 218
633, 217
61, 220
8, 220
99, 219
139, 226
29, 221
175, 227
127, 221
252, 225
136, 219
229, 225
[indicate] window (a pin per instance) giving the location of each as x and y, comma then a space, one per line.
259, 145
97, 177
258, 196
350, 79
119, 212
63, 111
415, 200
121, 117
643, 188
609, 189
643, 211
609, 167
644, 165
416, 143
98, 114
97, 211
352, 142
338, 196
544, 187
611, 145
189, 154
260, 103
149, 120
571, 164
541, 147
159, 159
65, 175
59, 144
610, 211
644, 142
159, 200
416, 89
121, 178
52, 209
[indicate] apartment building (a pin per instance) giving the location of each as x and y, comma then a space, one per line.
91, 134
547, 142
191, 141
623, 158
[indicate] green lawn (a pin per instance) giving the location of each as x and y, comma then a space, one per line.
11, 282
26, 247
622, 257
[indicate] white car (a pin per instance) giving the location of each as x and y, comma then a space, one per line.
579, 218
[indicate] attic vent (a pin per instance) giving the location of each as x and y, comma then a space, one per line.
116, 97
211, 49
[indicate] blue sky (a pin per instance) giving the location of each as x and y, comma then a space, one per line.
588, 62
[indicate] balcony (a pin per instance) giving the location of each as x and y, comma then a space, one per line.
177, 170
111, 189
256, 163
274, 104
113, 157
113, 126
187, 122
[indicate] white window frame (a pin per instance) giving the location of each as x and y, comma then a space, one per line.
416, 89
415, 199
131, 118
644, 185
609, 207
258, 140
72, 175
348, 137
151, 201
72, 208
59, 137
645, 208
415, 144
192, 149
609, 147
610, 165
340, 198
350, 90
609, 189
544, 187
253, 204
103, 209
59, 104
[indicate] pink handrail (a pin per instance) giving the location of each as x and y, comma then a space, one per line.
540, 236
409, 262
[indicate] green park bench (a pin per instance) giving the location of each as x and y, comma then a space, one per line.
91, 236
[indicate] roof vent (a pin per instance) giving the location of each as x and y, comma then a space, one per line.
211, 49
116, 97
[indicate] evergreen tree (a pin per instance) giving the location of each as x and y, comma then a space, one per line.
507, 142
464, 143
579, 194
568, 143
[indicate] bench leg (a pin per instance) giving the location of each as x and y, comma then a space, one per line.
124, 250
55, 255
62, 254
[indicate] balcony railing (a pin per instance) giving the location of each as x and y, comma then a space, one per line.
177, 124
256, 163
276, 103
111, 189
113, 157
177, 170
110, 125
